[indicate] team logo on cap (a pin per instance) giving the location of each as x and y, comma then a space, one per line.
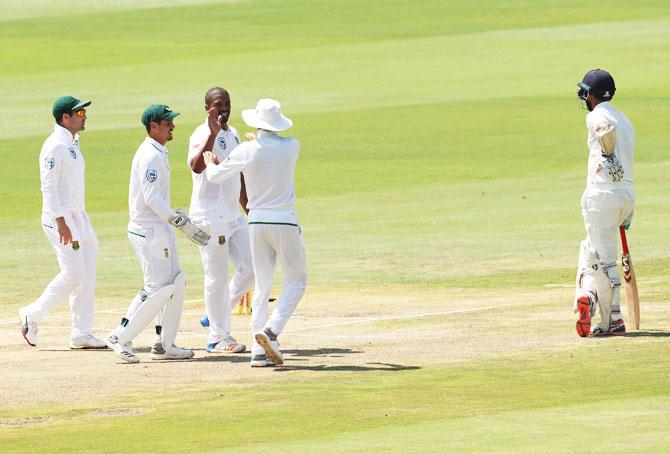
152, 175
222, 142
49, 163
607, 94
72, 153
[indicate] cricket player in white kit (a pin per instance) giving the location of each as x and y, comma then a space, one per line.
607, 203
217, 207
154, 241
268, 166
67, 227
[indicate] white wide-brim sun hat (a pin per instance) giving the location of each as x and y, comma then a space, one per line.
267, 115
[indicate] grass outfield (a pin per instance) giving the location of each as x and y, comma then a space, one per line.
443, 158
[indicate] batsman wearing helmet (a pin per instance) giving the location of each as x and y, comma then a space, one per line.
607, 203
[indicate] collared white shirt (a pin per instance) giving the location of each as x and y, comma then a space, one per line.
149, 191
268, 165
62, 174
624, 148
214, 201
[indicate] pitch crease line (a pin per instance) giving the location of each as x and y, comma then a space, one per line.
400, 317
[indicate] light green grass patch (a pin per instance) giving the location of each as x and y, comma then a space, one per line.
495, 400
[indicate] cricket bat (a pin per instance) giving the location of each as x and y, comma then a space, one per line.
632, 297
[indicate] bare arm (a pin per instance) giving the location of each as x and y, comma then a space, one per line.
198, 161
64, 233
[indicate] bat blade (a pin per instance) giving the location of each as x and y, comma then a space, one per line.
632, 296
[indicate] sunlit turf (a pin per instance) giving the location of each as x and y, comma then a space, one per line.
442, 147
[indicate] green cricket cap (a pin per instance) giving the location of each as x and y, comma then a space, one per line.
67, 104
156, 113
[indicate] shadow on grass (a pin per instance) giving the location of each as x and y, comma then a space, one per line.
231, 358
648, 333
380, 367
334, 352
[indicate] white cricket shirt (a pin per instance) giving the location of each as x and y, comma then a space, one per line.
149, 191
61, 174
268, 166
624, 148
216, 202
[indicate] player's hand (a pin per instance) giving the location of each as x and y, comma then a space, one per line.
64, 233
250, 136
214, 120
628, 221
210, 157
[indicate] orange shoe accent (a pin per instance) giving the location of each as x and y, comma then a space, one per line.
583, 325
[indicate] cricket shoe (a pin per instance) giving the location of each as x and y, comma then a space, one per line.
170, 353
268, 340
261, 361
88, 342
204, 322
616, 328
121, 351
28, 328
584, 306
227, 345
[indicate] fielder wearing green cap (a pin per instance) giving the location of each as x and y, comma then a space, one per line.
67, 227
68, 105
153, 239
156, 113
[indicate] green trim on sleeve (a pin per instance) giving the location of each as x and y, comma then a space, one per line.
50, 226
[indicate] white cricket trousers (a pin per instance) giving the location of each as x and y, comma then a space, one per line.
220, 294
156, 247
604, 210
76, 280
269, 243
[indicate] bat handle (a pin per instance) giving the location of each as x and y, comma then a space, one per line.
624, 242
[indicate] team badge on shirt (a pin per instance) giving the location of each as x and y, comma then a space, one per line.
72, 153
49, 163
152, 175
222, 142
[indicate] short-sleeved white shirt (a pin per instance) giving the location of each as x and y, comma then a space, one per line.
149, 191
216, 202
61, 174
624, 148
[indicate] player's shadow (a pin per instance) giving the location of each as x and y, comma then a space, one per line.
214, 358
648, 333
369, 367
315, 352
293, 357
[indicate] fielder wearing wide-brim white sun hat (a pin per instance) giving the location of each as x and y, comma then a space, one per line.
267, 115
